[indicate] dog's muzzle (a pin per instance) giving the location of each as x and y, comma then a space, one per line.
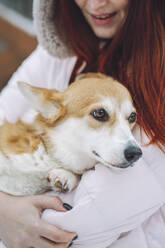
131, 154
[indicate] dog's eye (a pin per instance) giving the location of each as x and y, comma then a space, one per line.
100, 114
132, 117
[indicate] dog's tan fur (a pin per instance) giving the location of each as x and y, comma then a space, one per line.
17, 139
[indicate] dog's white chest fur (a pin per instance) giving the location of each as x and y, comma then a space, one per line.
25, 173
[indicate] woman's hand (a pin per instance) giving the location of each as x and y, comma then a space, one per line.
21, 225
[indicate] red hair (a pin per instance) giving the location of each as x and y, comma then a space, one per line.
135, 57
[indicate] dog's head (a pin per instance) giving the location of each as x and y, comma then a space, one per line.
92, 118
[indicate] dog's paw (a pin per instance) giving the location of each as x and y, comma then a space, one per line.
62, 180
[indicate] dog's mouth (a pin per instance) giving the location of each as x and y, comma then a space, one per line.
121, 165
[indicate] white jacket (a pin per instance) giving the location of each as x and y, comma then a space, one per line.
115, 210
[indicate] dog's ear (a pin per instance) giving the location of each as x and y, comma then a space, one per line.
47, 102
91, 75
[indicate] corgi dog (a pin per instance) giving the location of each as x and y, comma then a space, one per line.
67, 133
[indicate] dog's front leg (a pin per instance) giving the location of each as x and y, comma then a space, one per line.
62, 180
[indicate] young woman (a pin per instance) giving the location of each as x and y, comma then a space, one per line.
121, 38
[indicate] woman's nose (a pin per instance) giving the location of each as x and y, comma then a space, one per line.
97, 4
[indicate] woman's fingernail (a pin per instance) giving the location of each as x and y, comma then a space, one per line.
72, 241
67, 206
70, 245
74, 238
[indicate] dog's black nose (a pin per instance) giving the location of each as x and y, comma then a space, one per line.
132, 153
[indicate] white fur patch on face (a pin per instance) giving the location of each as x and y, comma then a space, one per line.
127, 108
69, 141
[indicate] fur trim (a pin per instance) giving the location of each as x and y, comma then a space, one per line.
49, 34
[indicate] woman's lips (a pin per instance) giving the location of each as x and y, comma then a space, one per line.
104, 18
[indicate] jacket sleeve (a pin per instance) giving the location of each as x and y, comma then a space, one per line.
108, 203
40, 69
152, 156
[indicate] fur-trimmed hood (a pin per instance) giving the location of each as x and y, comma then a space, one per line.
49, 34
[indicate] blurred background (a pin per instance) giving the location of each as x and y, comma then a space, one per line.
17, 36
